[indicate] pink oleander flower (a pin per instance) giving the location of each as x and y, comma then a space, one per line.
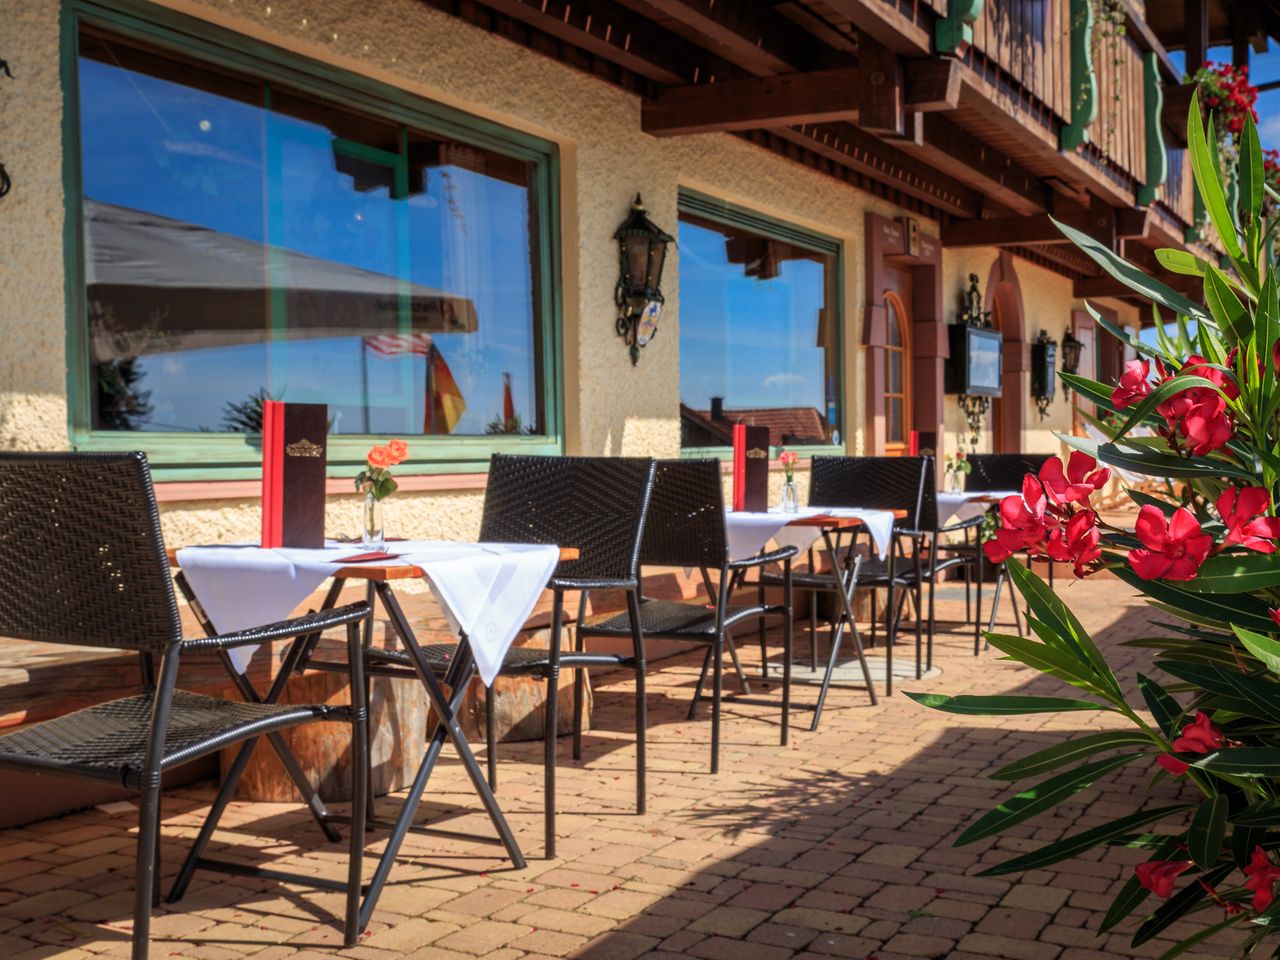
1159, 876
1173, 549
1023, 523
1078, 483
1261, 875
1243, 510
1134, 385
1079, 542
1199, 736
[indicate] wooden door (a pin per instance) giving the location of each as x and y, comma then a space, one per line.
898, 414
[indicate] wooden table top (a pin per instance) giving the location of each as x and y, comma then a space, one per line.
830, 522
380, 572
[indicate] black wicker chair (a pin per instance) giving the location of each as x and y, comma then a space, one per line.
1001, 471
686, 528
598, 505
878, 483
83, 563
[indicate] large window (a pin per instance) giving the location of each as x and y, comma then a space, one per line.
247, 235
759, 328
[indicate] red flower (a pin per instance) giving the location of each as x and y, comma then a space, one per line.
1261, 874
1022, 522
1079, 542
1174, 549
1207, 425
1199, 736
1243, 511
398, 450
1275, 357
1159, 876
1078, 484
1135, 383
380, 458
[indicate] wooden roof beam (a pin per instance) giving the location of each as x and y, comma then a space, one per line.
864, 153
753, 102
887, 24
612, 32
1037, 229
750, 33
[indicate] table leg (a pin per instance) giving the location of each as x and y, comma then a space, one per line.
846, 577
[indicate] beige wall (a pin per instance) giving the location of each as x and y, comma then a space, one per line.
611, 407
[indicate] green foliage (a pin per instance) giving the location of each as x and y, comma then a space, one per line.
1208, 712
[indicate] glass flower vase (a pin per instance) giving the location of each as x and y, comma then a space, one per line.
790, 497
371, 534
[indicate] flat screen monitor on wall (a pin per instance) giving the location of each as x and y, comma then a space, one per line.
976, 362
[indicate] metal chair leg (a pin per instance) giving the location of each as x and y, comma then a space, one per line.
149, 807
717, 682
787, 639
642, 707
491, 738
813, 631
764, 645
550, 723
697, 688
360, 786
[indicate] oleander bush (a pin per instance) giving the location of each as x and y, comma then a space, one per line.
1203, 552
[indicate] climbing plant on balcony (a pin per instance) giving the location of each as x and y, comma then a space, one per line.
1206, 713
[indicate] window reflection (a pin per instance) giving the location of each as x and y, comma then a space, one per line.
244, 241
758, 336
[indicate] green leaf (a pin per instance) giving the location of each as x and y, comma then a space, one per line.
1164, 708
1049, 660
1265, 649
1208, 180
999, 706
1241, 762
1251, 168
1237, 573
1182, 261
1050, 758
1048, 608
1137, 459
1265, 813
1207, 831
1043, 796
1073, 846
1131, 276
1227, 310
1261, 697
1210, 608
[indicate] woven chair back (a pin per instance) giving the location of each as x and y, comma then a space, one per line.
686, 521
81, 556
1002, 471
880, 483
596, 504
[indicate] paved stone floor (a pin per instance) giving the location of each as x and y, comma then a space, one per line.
839, 845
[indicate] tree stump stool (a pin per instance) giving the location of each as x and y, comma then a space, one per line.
399, 718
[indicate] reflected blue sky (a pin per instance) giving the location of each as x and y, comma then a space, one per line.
754, 342
225, 163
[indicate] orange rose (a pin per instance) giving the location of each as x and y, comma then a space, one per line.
380, 457
398, 450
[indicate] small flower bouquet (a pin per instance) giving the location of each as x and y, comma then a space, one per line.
790, 495
375, 479
376, 483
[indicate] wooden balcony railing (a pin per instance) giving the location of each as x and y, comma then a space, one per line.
1022, 49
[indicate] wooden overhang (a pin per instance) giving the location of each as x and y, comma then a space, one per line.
857, 90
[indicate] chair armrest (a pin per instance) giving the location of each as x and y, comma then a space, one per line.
588, 583
783, 553
297, 627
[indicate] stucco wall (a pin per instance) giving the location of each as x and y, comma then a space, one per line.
1047, 304
611, 407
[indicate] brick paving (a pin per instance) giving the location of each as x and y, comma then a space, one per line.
839, 845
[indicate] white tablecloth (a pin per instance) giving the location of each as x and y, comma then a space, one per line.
487, 590
965, 505
749, 532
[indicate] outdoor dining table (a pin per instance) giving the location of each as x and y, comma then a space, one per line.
486, 591
749, 532
962, 505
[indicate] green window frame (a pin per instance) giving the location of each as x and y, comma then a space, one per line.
722, 211
180, 456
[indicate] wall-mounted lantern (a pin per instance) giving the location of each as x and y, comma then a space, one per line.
642, 253
1044, 355
1071, 349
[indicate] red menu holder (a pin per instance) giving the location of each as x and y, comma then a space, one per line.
294, 439
750, 468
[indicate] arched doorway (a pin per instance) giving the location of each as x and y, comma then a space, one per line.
897, 375
1004, 300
